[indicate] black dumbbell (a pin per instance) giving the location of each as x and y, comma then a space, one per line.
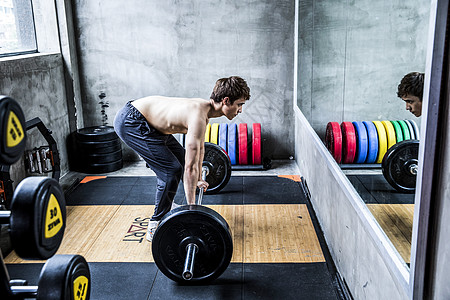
12, 131
37, 218
63, 277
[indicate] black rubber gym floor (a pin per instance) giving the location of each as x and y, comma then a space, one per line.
141, 190
120, 280
374, 189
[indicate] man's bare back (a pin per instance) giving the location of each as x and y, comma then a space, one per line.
171, 115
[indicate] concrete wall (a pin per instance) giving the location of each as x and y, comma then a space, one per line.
36, 82
352, 56
363, 255
131, 49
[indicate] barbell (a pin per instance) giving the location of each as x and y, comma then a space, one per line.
193, 243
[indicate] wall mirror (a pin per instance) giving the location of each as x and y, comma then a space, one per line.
351, 58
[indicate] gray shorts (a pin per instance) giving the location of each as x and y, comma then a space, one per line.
162, 153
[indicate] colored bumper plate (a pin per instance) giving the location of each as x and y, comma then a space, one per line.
372, 134
233, 143
398, 131
208, 133
215, 133
348, 142
405, 130
333, 140
362, 142
390, 132
382, 141
256, 144
416, 129
223, 136
243, 154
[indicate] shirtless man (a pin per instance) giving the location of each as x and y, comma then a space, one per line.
410, 90
146, 125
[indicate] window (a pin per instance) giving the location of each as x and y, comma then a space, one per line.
17, 32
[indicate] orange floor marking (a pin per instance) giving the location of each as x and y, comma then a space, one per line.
296, 178
90, 178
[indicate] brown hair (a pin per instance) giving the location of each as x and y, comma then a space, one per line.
411, 84
233, 87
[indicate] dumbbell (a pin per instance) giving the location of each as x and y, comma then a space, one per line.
13, 136
193, 243
37, 218
400, 164
63, 277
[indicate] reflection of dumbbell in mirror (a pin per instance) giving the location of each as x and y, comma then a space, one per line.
400, 165
193, 243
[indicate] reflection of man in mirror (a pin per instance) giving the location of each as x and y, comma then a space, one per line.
410, 90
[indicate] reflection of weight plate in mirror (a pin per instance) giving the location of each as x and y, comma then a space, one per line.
333, 140
398, 131
405, 130
400, 165
411, 130
382, 140
362, 143
372, 135
348, 142
390, 133
414, 128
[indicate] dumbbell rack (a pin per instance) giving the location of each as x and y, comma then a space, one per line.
32, 160
13, 288
36, 218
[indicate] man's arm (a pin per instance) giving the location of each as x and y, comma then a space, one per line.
194, 157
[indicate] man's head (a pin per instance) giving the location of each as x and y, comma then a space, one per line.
410, 90
233, 87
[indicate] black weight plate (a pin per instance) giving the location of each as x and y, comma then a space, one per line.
12, 129
101, 168
96, 133
219, 165
201, 225
38, 217
396, 163
65, 277
93, 158
99, 147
